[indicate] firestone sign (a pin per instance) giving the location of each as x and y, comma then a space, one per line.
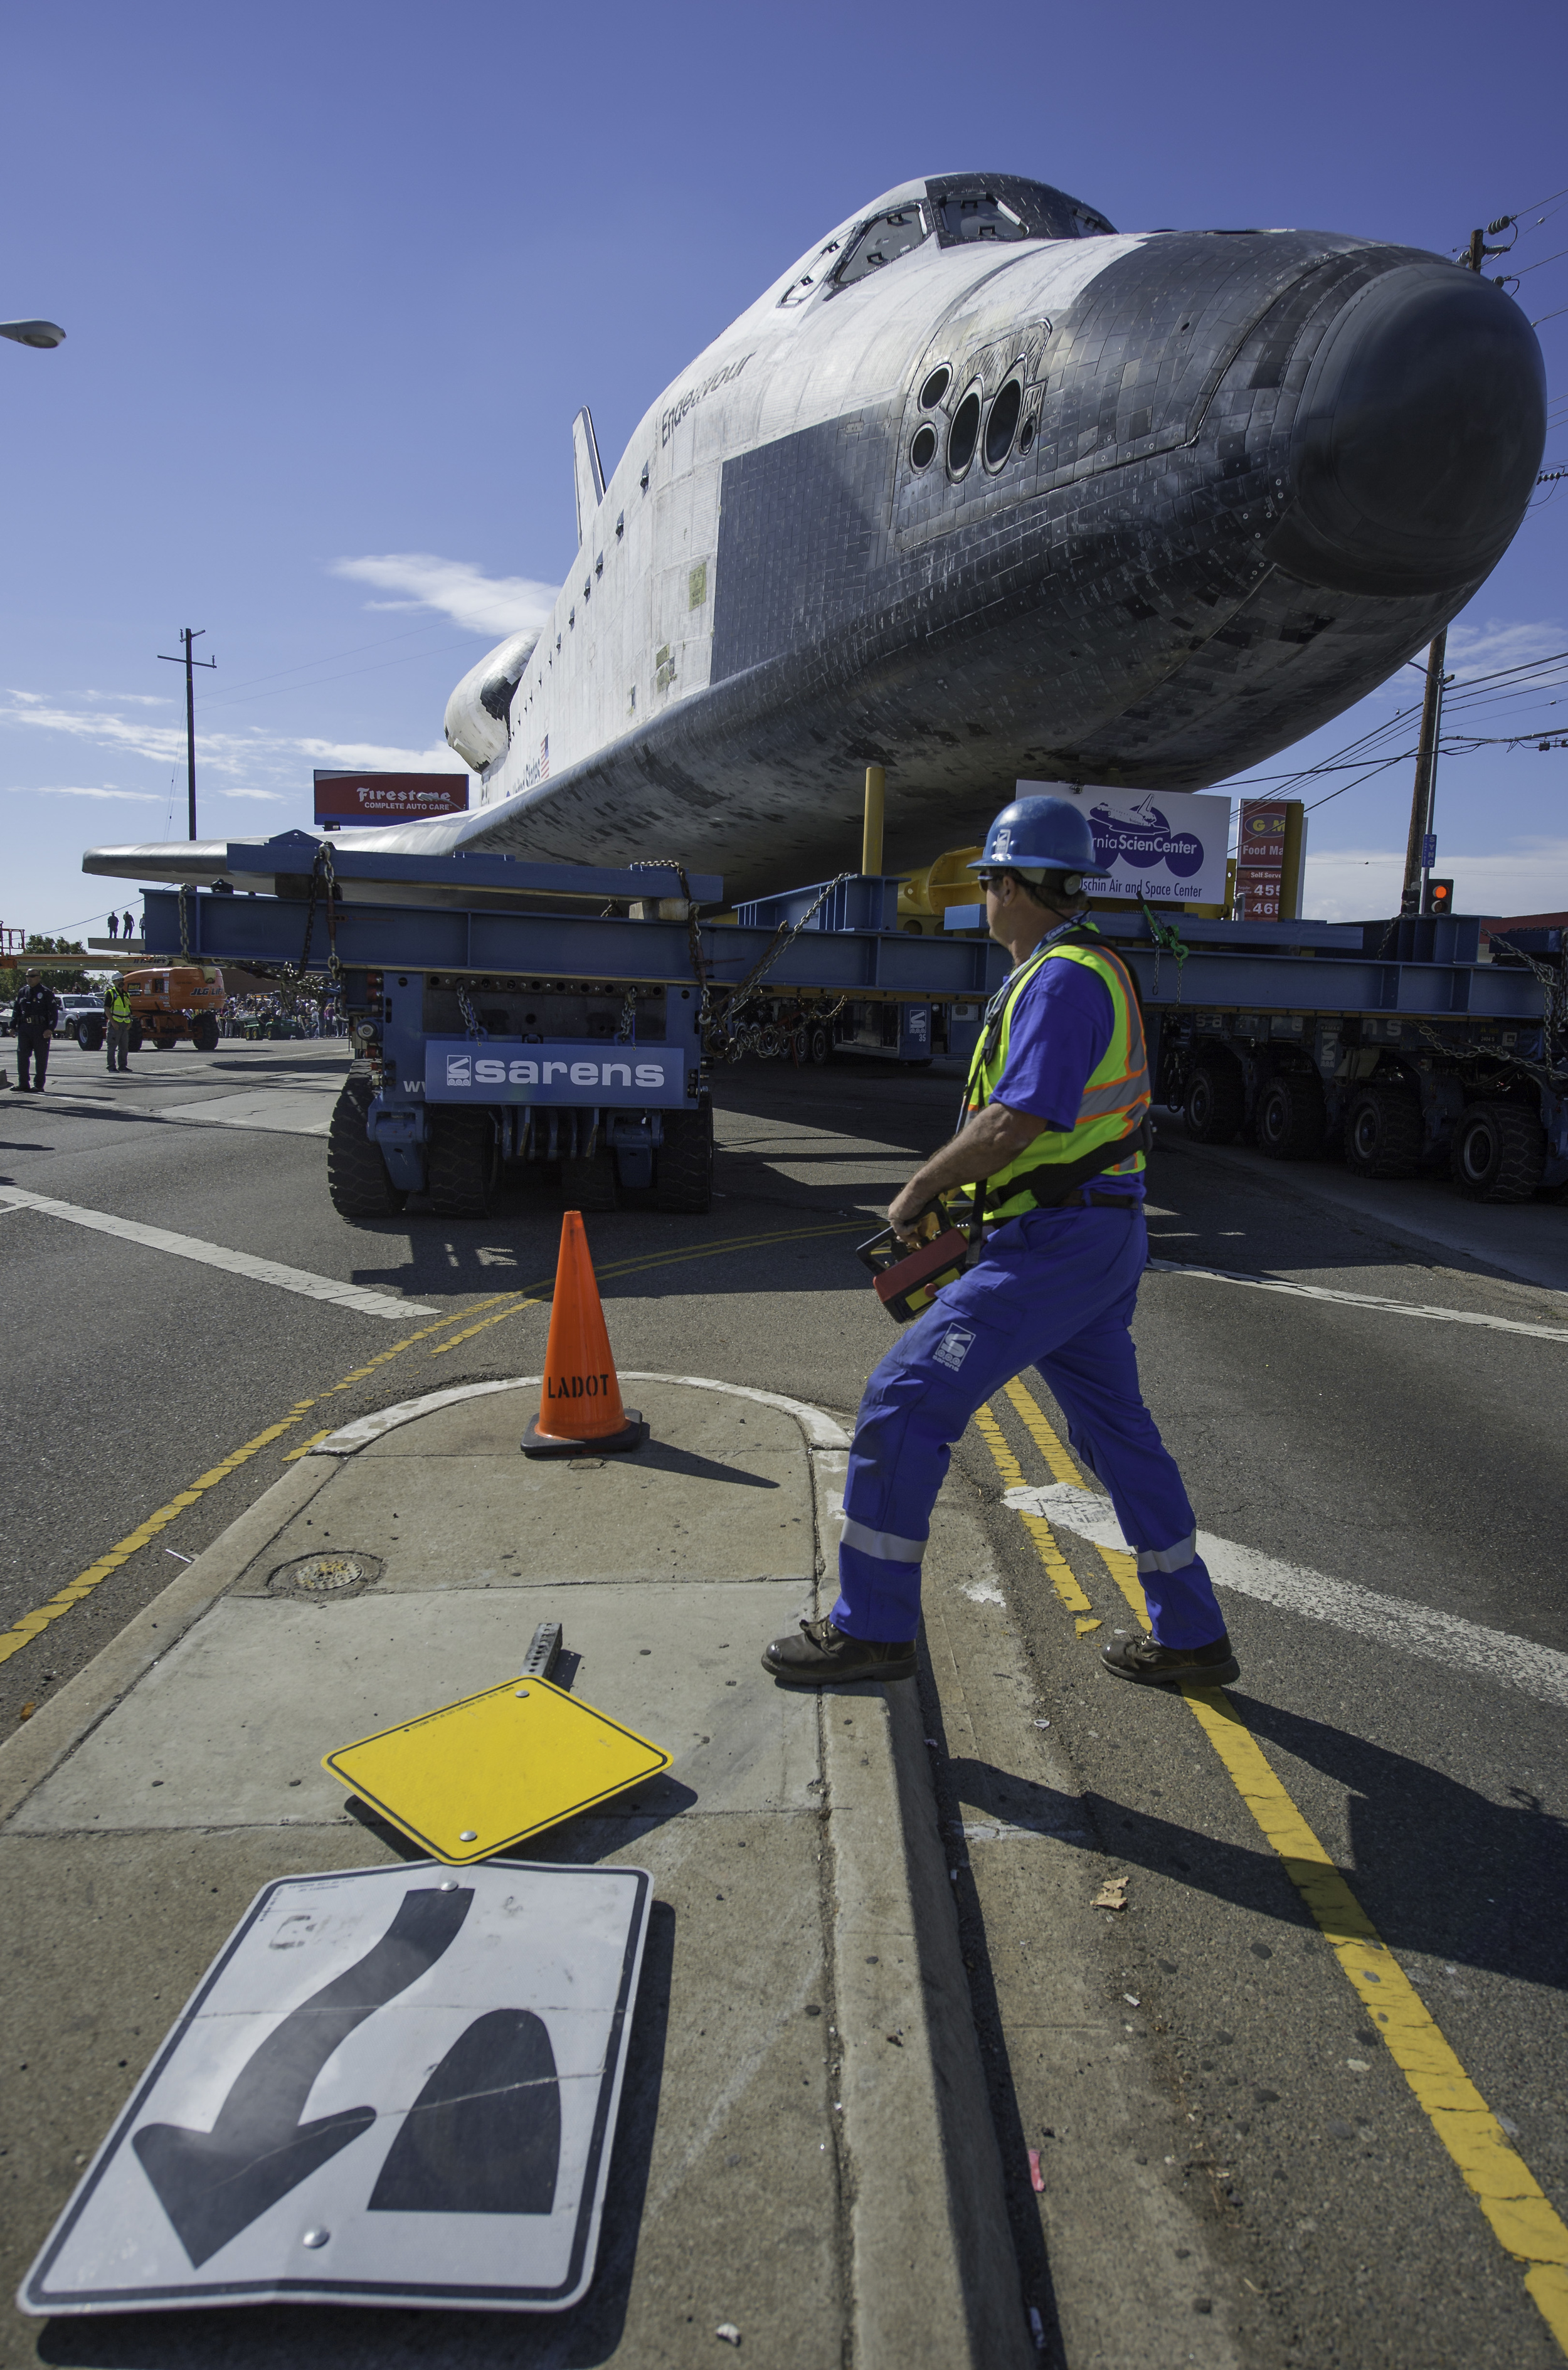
389, 798
1168, 846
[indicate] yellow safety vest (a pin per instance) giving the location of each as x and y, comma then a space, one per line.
118, 1006
1116, 1094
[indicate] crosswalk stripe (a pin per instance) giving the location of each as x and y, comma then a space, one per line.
355, 1296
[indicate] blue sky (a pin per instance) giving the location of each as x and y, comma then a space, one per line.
336, 277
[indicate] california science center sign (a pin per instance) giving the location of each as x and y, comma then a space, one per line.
1168, 846
466, 1070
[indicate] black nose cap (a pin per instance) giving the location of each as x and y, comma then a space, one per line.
1419, 437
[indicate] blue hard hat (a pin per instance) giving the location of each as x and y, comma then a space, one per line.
1040, 835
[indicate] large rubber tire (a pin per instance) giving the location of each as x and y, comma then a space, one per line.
589, 1184
1289, 1122
683, 1165
90, 1036
137, 1041
1498, 1153
357, 1181
1382, 1133
1215, 1101
819, 1043
464, 1164
204, 1032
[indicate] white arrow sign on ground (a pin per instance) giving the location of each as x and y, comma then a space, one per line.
393, 2085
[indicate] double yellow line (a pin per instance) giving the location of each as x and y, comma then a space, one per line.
1522, 2216
500, 1304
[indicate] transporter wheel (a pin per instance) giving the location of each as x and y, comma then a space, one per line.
1382, 1132
90, 1036
1498, 1154
589, 1184
204, 1032
1217, 1101
136, 1038
464, 1163
683, 1165
1290, 1121
357, 1181
819, 1043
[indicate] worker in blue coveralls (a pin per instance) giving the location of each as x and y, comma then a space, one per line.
1053, 1139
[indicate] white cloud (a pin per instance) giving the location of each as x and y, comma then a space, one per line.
482, 604
126, 698
63, 791
1500, 642
346, 755
1362, 884
221, 754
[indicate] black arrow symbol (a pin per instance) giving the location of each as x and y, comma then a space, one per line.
211, 2184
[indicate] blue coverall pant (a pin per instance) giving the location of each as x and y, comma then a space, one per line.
1054, 1289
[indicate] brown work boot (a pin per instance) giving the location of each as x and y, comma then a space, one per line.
1153, 1665
823, 1654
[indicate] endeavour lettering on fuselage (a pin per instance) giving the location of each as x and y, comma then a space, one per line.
677, 410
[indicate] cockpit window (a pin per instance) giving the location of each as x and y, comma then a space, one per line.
810, 282
966, 219
882, 242
985, 208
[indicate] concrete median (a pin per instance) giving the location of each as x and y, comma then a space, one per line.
805, 2153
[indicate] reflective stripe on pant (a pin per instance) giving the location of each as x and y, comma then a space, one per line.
1054, 1289
117, 1038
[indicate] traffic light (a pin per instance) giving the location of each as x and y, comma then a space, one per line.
1439, 897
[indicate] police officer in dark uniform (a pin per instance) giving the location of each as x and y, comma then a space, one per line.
35, 1017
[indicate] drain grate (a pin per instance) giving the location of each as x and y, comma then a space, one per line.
327, 1578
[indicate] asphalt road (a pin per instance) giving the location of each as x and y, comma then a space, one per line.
1406, 1459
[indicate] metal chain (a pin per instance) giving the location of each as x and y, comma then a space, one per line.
470, 1018
300, 975
1168, 939
184, 924
784, 937
627, 1032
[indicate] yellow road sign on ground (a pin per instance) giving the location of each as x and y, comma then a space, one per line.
483, 1774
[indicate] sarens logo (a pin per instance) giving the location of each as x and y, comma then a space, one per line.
466, 1070
564, 1071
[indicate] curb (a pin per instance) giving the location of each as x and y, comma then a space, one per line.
933, 2276
28, 1756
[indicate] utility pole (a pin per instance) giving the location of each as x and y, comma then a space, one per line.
1417, 859
188, 662
1420, 853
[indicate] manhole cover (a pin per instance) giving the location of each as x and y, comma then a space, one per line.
327, 1577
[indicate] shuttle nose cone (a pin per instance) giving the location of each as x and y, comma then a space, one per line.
1418, 438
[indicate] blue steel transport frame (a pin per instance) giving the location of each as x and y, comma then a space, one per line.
510, 1013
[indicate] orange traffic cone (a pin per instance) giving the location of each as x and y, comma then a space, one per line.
581, 1407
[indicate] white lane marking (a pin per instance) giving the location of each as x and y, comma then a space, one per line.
259, 1271
1360, 1299
1539, 1671
821, 1430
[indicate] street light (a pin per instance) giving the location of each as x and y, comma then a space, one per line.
32, 333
